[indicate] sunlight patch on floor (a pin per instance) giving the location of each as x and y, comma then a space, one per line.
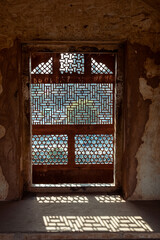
70, 185
109, 199
79, 199
62, 199
95, 223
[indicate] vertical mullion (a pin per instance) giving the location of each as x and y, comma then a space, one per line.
113, 114
87, 66
56, 65
71, 150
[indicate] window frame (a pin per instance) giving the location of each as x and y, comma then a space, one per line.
82, 47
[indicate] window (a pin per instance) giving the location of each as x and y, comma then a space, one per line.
73, 113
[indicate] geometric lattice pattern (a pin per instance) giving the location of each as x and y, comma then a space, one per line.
49, 149
72, 63
96, 223
72, 103
94, 149
99, 68
44, 68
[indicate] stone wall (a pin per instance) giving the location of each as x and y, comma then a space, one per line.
134, 21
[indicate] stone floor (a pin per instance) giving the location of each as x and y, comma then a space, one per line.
79, 217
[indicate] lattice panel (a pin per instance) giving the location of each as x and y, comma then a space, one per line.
94, 149
99, 68
49, 149
44, 68
72, 103
72, 63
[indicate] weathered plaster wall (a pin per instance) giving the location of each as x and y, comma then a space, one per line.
9, 125
3, 182
135, 21
148, 154
142, 128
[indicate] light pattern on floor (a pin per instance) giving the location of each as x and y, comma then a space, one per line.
79, 199
109, 199
70, 185
96, 223
62, 199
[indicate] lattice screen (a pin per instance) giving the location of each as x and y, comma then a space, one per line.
72, 106
72, 103
50, 149
94, 149
44, 68
72, 63
99, 68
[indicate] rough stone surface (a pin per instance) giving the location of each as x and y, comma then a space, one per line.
134, 20
3, 186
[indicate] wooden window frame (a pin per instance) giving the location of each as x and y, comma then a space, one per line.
72, 172
98, 47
